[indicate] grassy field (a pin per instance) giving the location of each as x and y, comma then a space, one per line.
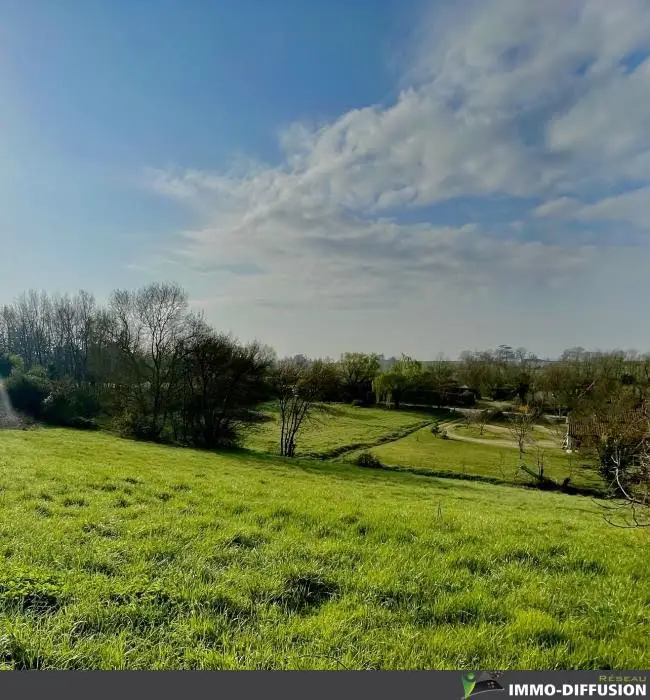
337, 426
422, 450
501, 432
116, 554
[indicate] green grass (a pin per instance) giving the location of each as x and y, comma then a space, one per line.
337, 426
499, 432
422, 450
117, 555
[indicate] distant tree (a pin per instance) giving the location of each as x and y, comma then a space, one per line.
482, 418
473, 371
330, 379
439, 378
488, 372
391, 385
358, 371
468, 418
504, 353
521, 426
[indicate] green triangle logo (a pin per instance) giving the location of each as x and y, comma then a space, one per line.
469, 681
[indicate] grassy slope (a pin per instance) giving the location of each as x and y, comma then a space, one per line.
422, 450
336, 426
124, 555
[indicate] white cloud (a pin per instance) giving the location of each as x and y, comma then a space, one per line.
561, 207
523, 99
632, 207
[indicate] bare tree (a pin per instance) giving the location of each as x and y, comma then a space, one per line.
148, 326
468, 418
631, 507
482, 418
620, 441
521, 426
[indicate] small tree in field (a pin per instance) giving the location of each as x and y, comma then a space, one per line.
521, 426
299, 389
482, 418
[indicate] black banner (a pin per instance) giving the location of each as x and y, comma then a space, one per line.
446, 685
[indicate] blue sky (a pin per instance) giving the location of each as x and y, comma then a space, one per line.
326, 176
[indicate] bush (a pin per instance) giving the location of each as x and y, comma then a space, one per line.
10, 362
71, 406
81, 423
134, 425
435, 428
367, 459
357, 403
27, 393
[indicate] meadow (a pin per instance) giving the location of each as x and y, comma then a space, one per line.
124, 555
498, 462
336, 427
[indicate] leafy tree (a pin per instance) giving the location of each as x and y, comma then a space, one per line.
391, 385
221, 383
358, 371
439, 378
299, 389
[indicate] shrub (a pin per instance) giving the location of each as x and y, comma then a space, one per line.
357, 403
71, 406
367, 459
135, 425
10, 362
28, 392
435, 428
37, 371
81, 423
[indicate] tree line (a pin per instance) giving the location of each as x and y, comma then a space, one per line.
143, 362
148, 365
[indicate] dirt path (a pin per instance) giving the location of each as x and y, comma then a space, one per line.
449, 426
505, 442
